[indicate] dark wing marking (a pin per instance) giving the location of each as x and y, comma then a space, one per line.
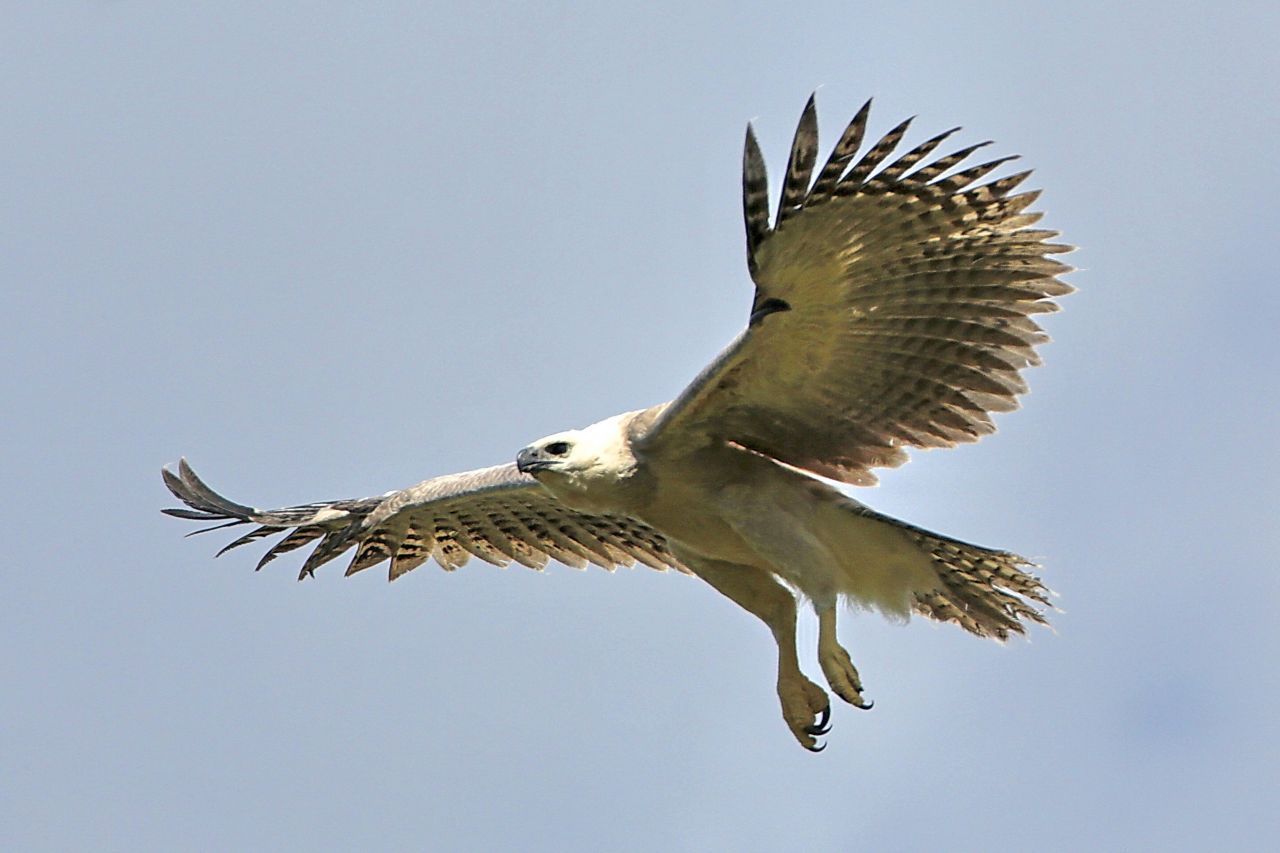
804, 153
496, 514
841, 155
755, 194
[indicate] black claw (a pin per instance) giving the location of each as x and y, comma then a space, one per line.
816, 730
816, 747
822, 726
867, 707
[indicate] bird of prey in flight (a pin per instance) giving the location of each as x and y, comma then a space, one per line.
894, 308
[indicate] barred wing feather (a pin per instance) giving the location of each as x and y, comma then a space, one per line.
893, 308
496, 514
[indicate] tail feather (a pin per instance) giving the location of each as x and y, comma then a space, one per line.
984, 591
987, 592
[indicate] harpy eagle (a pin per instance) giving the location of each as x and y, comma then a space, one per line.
894, 303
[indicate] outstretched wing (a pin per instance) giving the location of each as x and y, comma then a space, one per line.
496, 514
893, 308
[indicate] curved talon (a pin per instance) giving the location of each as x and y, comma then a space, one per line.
818, 747
806, 708
822, 726
818, 728
866, 707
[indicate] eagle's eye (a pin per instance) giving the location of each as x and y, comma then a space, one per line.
557, 448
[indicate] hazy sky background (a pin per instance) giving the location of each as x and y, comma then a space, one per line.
326, 250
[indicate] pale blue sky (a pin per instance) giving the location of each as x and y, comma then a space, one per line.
326, 250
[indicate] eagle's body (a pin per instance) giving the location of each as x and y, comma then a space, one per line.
722, 503
893, 308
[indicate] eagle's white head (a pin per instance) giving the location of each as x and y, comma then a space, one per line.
583, 467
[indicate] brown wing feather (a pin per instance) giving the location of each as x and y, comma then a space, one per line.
804, 153
496, 514
892, 308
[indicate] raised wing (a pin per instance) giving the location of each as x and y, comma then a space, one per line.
892, 308
496, 514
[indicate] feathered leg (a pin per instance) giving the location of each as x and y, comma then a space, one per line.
787, 529
806, 709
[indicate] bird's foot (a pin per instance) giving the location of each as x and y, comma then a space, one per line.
806, 708
842, 675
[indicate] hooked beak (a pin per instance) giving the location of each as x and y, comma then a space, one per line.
530, 460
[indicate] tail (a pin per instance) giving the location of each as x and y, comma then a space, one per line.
985, 591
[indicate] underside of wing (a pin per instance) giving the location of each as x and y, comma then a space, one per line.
894, 307
496, 514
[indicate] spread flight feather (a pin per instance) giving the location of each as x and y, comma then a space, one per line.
894, 307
